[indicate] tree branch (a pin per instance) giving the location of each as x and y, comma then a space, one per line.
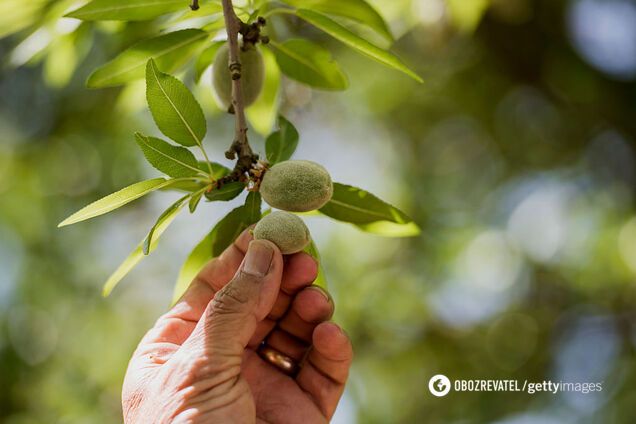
240, 146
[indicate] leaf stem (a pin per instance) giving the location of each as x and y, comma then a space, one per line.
207, 160
202, 190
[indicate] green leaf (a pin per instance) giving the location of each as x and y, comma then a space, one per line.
391, 229
216, 241
204, 61
309, 63
174, 109
262, 113
173, 209
197, 258
172, 160
228, 229
208, 10
194, 201
170, 51
126, 10
356, 10
252, 207
61, 60
116, 200
138, 254
218, 170
321, 279
227, 192
357, 206
466, 15
16, 15
280, 145
341, 33
189, 186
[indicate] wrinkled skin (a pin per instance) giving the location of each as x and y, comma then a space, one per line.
198, 364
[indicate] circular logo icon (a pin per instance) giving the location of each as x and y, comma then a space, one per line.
439, 385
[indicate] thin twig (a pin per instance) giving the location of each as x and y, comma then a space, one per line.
240, 146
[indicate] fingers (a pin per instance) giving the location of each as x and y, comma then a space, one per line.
212, 278
300, 271
326, 367
177, 324
310, 307
293, 334
231, 317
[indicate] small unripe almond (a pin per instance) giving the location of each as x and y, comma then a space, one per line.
252, 75
296, 186
285, 230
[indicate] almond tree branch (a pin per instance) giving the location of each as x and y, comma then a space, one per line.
240, 146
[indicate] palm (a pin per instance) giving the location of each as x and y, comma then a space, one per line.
278, 398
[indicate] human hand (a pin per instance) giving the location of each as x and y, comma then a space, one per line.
199, 363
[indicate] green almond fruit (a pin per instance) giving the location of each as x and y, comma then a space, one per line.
296, 186
285, 230
252, 75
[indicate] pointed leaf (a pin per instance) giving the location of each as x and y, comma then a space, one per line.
16, 15
127, 10
204, 61
220, 238
170, 51
356, 10
391, 229
173, 209
309, 63
341, 33
228, 229
197, 258
357, 206
262, 114
172, 160
194, 201
174, 109
253, 207
227, 192
321, 279
214, 243
280, 145
138, 254
116, 200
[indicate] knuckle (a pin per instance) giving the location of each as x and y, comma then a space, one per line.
233, 297
197, 368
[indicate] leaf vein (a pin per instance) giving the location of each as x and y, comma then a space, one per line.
194, 136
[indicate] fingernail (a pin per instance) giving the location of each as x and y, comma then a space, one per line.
321, 291
258, 258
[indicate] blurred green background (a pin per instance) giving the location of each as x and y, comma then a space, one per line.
516, 157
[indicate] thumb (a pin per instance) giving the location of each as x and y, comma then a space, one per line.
230, 318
